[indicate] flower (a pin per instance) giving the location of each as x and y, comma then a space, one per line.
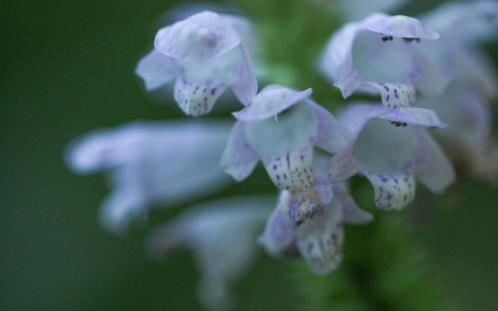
205, 54
320, 239
151, 163
222, 236
378, 55
392, 157
356, 9
282, 127
470, 82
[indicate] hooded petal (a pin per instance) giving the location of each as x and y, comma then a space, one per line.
366, 51
433, 168
201, 84
156, 69
414, 116
199, 38
239, 159
222, 236
152, 163
270, 101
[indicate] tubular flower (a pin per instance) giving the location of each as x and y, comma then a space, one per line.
378, 55
205, 54
282, 127
319, 241
470, 79
151, 163
222, 237
392, 158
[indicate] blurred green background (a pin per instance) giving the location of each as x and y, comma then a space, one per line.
67, 68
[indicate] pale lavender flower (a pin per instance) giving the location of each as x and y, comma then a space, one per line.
152, 163
205, 54
319, 240
281, 128
222, 236
378, 55
469, 139
392, 157
470, 82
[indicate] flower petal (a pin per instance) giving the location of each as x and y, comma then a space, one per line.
343, 165
239, 159
156, 69
433, 168
467, 21
398, 26
289, 132
152, 163
197, 99
320, 240
245, 85
394, 95
222, 235
270, 101
414, 116
392, 192
279, 235
199, 38
292, 171
332, 135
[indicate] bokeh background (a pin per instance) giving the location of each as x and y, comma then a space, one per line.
67, 68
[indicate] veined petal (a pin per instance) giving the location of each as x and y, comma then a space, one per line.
222, 236
239, 159
394, 95
199, 38
433, 168
152, 163
320, 240
394, 191
197, 99
292, 171
156, 69
270, 101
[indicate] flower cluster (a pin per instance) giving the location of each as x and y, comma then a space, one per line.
430, 76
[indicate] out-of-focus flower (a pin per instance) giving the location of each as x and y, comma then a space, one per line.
205, 54
392, 157
470, 82
379, 55
152, 163
319, 240
356, 9
282, 127
222, 236
468, 138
